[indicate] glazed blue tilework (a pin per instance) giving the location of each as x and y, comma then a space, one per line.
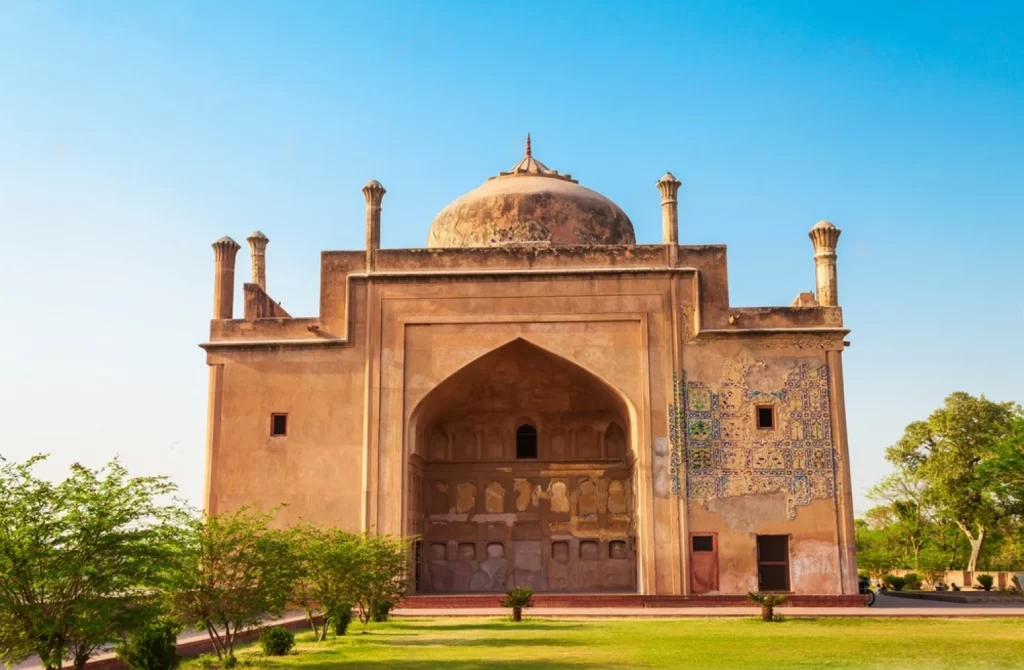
716, 446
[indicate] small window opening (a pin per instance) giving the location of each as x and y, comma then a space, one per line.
766, 417
703, 543
526, 442
278, 425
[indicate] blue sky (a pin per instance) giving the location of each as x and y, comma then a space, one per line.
134, 134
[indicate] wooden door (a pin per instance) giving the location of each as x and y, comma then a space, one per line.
703, 562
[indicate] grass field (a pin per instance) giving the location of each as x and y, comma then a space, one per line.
495, 644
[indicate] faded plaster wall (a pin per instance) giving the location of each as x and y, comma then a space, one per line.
741, 481
355, 381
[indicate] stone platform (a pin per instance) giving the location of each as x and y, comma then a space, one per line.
477, 601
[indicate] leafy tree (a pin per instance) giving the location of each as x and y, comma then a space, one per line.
908, 520
79, 560
330, 564
1006, 468
947, 452
234, 571
382, 582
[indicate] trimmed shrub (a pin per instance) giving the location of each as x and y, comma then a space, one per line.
152, 647
895, 583
380, 609
276, 641
913, 581
341, 618
986, 581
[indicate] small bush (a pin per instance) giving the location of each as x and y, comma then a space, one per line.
768, 603
986, 581
341, 618
152, 647
913, 581
894, 582
517, 599
380, 609
276, 641
229, 662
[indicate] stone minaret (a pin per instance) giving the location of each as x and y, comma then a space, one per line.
258, 255
825, 237
224, 251
669, 187
374, 193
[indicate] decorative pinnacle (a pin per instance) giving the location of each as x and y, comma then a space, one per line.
669, 187
257, 235
824, 236
529, 149
374, 192
225, 248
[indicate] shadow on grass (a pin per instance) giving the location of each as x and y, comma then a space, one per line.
490, 642
448, 665
536, 624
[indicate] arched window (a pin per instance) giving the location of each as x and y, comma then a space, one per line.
526, 441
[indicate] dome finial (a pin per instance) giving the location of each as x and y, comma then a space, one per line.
529, 149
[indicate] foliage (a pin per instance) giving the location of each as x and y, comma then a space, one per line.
950, 453
912, 581
234, 571
518, 598
986, 581
151, 647
768, 603
895, 582
381, 582
276, 641
80, 559
341, 618
329, 565
1006, 468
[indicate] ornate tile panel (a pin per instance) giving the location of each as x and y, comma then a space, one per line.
718, 451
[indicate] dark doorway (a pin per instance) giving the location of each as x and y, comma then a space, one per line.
526, 442
773, 563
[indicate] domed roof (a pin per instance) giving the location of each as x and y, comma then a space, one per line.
530, 204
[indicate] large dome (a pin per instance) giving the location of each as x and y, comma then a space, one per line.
530, 204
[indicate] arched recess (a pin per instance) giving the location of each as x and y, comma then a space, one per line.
523, 379
522, 506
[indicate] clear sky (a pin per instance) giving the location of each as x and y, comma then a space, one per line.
133, 134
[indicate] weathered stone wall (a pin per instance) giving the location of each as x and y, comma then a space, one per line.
539, 525
375, 421
740, 481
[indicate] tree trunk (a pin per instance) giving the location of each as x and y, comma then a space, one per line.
976, 543
517, 613
972, 564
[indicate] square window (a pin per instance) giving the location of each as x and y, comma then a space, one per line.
703, 543
278, 425
765, 417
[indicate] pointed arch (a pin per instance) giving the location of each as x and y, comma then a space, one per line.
491, 378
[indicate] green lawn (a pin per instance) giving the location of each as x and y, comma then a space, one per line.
494, 644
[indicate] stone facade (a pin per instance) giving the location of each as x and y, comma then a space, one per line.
576, 413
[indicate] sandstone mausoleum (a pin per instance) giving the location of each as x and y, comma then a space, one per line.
544, 402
